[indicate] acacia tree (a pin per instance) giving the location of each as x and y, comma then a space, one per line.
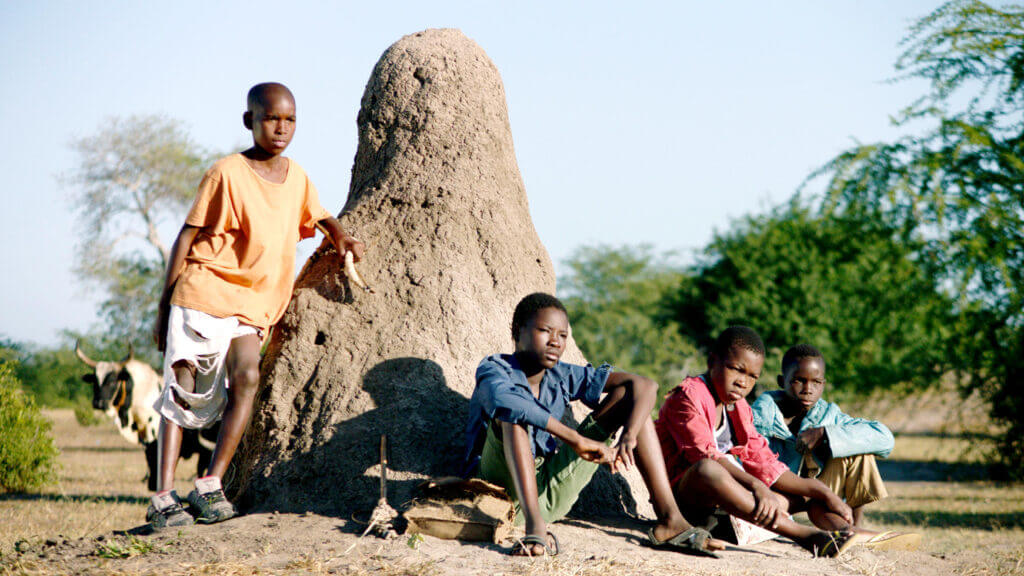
956, 189
132, 175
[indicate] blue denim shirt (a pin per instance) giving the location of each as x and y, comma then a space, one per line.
503, 393
847, 436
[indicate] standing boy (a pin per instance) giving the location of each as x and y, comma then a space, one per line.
815, 439
514, 429
716, 459
229, 278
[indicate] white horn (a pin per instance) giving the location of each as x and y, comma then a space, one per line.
81, 355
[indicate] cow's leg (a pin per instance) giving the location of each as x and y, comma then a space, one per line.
204, 456
153, 464
170, 433
243, 364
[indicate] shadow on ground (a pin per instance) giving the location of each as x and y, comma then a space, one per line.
939, 519
75, 498
102, 449
931, 471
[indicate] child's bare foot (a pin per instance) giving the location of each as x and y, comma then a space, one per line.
534, 545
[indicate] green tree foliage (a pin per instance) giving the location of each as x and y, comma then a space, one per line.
133, 174
615, 298
53, 376
27, 452
956, 187
844, 285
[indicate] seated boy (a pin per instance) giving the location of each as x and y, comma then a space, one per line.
815, 439
515, 425
716, 459
229, 278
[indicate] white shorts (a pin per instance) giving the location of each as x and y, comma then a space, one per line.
201, 340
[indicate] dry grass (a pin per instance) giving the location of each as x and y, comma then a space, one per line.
100, 487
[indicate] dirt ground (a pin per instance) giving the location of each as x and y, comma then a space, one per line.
91, 523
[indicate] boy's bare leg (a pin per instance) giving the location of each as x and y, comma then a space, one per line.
612, 414
169, 447
708, 482
243, 363
519, 457
167, 454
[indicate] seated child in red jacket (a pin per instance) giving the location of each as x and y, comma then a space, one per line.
716, 458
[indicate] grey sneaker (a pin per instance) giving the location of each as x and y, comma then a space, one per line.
165, 510
208, 502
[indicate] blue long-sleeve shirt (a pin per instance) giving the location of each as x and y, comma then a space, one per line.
847, 436
503, 393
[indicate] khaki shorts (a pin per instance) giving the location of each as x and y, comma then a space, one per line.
854, 478
561, 476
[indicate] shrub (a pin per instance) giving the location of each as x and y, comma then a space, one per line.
86, 415
27, 452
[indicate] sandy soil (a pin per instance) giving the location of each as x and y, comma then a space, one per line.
91, 523
316, 544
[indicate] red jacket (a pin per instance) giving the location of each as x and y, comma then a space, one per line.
686, 431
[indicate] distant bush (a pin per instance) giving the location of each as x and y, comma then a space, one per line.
616, 298
27, 452
86, 415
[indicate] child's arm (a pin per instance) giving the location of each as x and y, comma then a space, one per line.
588, 449
343, 242
847, 436
766, 509
644, 392
175, 264
503, 400
814, 489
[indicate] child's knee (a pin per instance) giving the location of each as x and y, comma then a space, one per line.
709, 470
184, 368
245, 379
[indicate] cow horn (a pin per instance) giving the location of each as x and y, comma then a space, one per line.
81, 355
131, 354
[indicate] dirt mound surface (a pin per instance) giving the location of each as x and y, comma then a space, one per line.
437, 197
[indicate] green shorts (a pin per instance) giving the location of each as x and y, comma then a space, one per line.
561, 476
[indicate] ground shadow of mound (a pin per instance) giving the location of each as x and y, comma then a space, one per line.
419, 413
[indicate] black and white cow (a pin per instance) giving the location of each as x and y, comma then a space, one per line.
126, 391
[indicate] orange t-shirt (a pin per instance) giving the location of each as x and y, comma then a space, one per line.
242, 261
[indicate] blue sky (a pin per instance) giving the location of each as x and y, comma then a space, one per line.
633, 123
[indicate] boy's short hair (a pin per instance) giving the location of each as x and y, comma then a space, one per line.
798, 353
257, 95
530, 305
742, 337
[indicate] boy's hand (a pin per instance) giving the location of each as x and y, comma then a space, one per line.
594, 451
809, 439
766, 509
836, 504
624, 458
350, 244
